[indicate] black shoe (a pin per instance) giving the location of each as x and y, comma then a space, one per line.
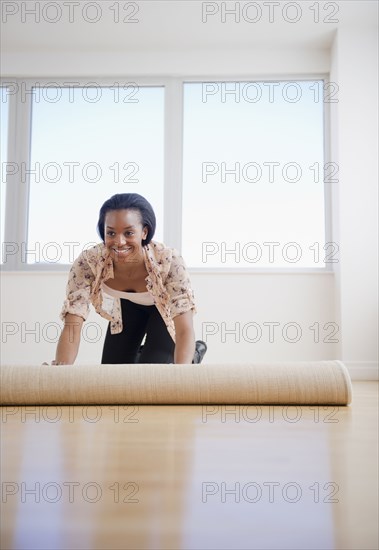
201, 348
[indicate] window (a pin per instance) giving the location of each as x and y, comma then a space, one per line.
4, 116
253, 174
87, 144
237, 171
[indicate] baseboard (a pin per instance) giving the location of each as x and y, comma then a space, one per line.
362, 370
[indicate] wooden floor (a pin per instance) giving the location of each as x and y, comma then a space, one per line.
190, 477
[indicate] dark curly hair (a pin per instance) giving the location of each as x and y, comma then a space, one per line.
129, 201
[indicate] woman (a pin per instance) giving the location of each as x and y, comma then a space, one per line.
139, 285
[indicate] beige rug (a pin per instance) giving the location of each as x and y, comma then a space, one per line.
313, 382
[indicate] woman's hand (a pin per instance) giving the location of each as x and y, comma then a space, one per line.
69, 341
185, 338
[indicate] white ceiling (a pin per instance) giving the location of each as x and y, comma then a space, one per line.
177, 25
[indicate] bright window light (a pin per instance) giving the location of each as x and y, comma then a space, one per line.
86, 145
253, 175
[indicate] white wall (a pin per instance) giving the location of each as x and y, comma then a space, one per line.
347, 298
196, 62
240, 304
354, 147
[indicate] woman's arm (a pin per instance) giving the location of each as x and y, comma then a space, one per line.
69, 341
75, 308
185, 338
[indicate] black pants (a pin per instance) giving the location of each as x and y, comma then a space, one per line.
137, 321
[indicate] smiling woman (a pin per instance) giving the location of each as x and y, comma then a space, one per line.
141, 286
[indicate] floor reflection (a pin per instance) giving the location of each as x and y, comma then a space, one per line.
275, 461
190, 477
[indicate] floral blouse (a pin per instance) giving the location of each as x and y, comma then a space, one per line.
167, 281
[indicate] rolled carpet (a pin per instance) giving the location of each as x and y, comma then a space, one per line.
302, 383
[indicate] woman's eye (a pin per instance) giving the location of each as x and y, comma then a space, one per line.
113, 234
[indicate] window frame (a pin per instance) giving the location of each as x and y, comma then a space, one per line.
19, 147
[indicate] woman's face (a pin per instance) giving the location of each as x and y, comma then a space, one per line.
123, 235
